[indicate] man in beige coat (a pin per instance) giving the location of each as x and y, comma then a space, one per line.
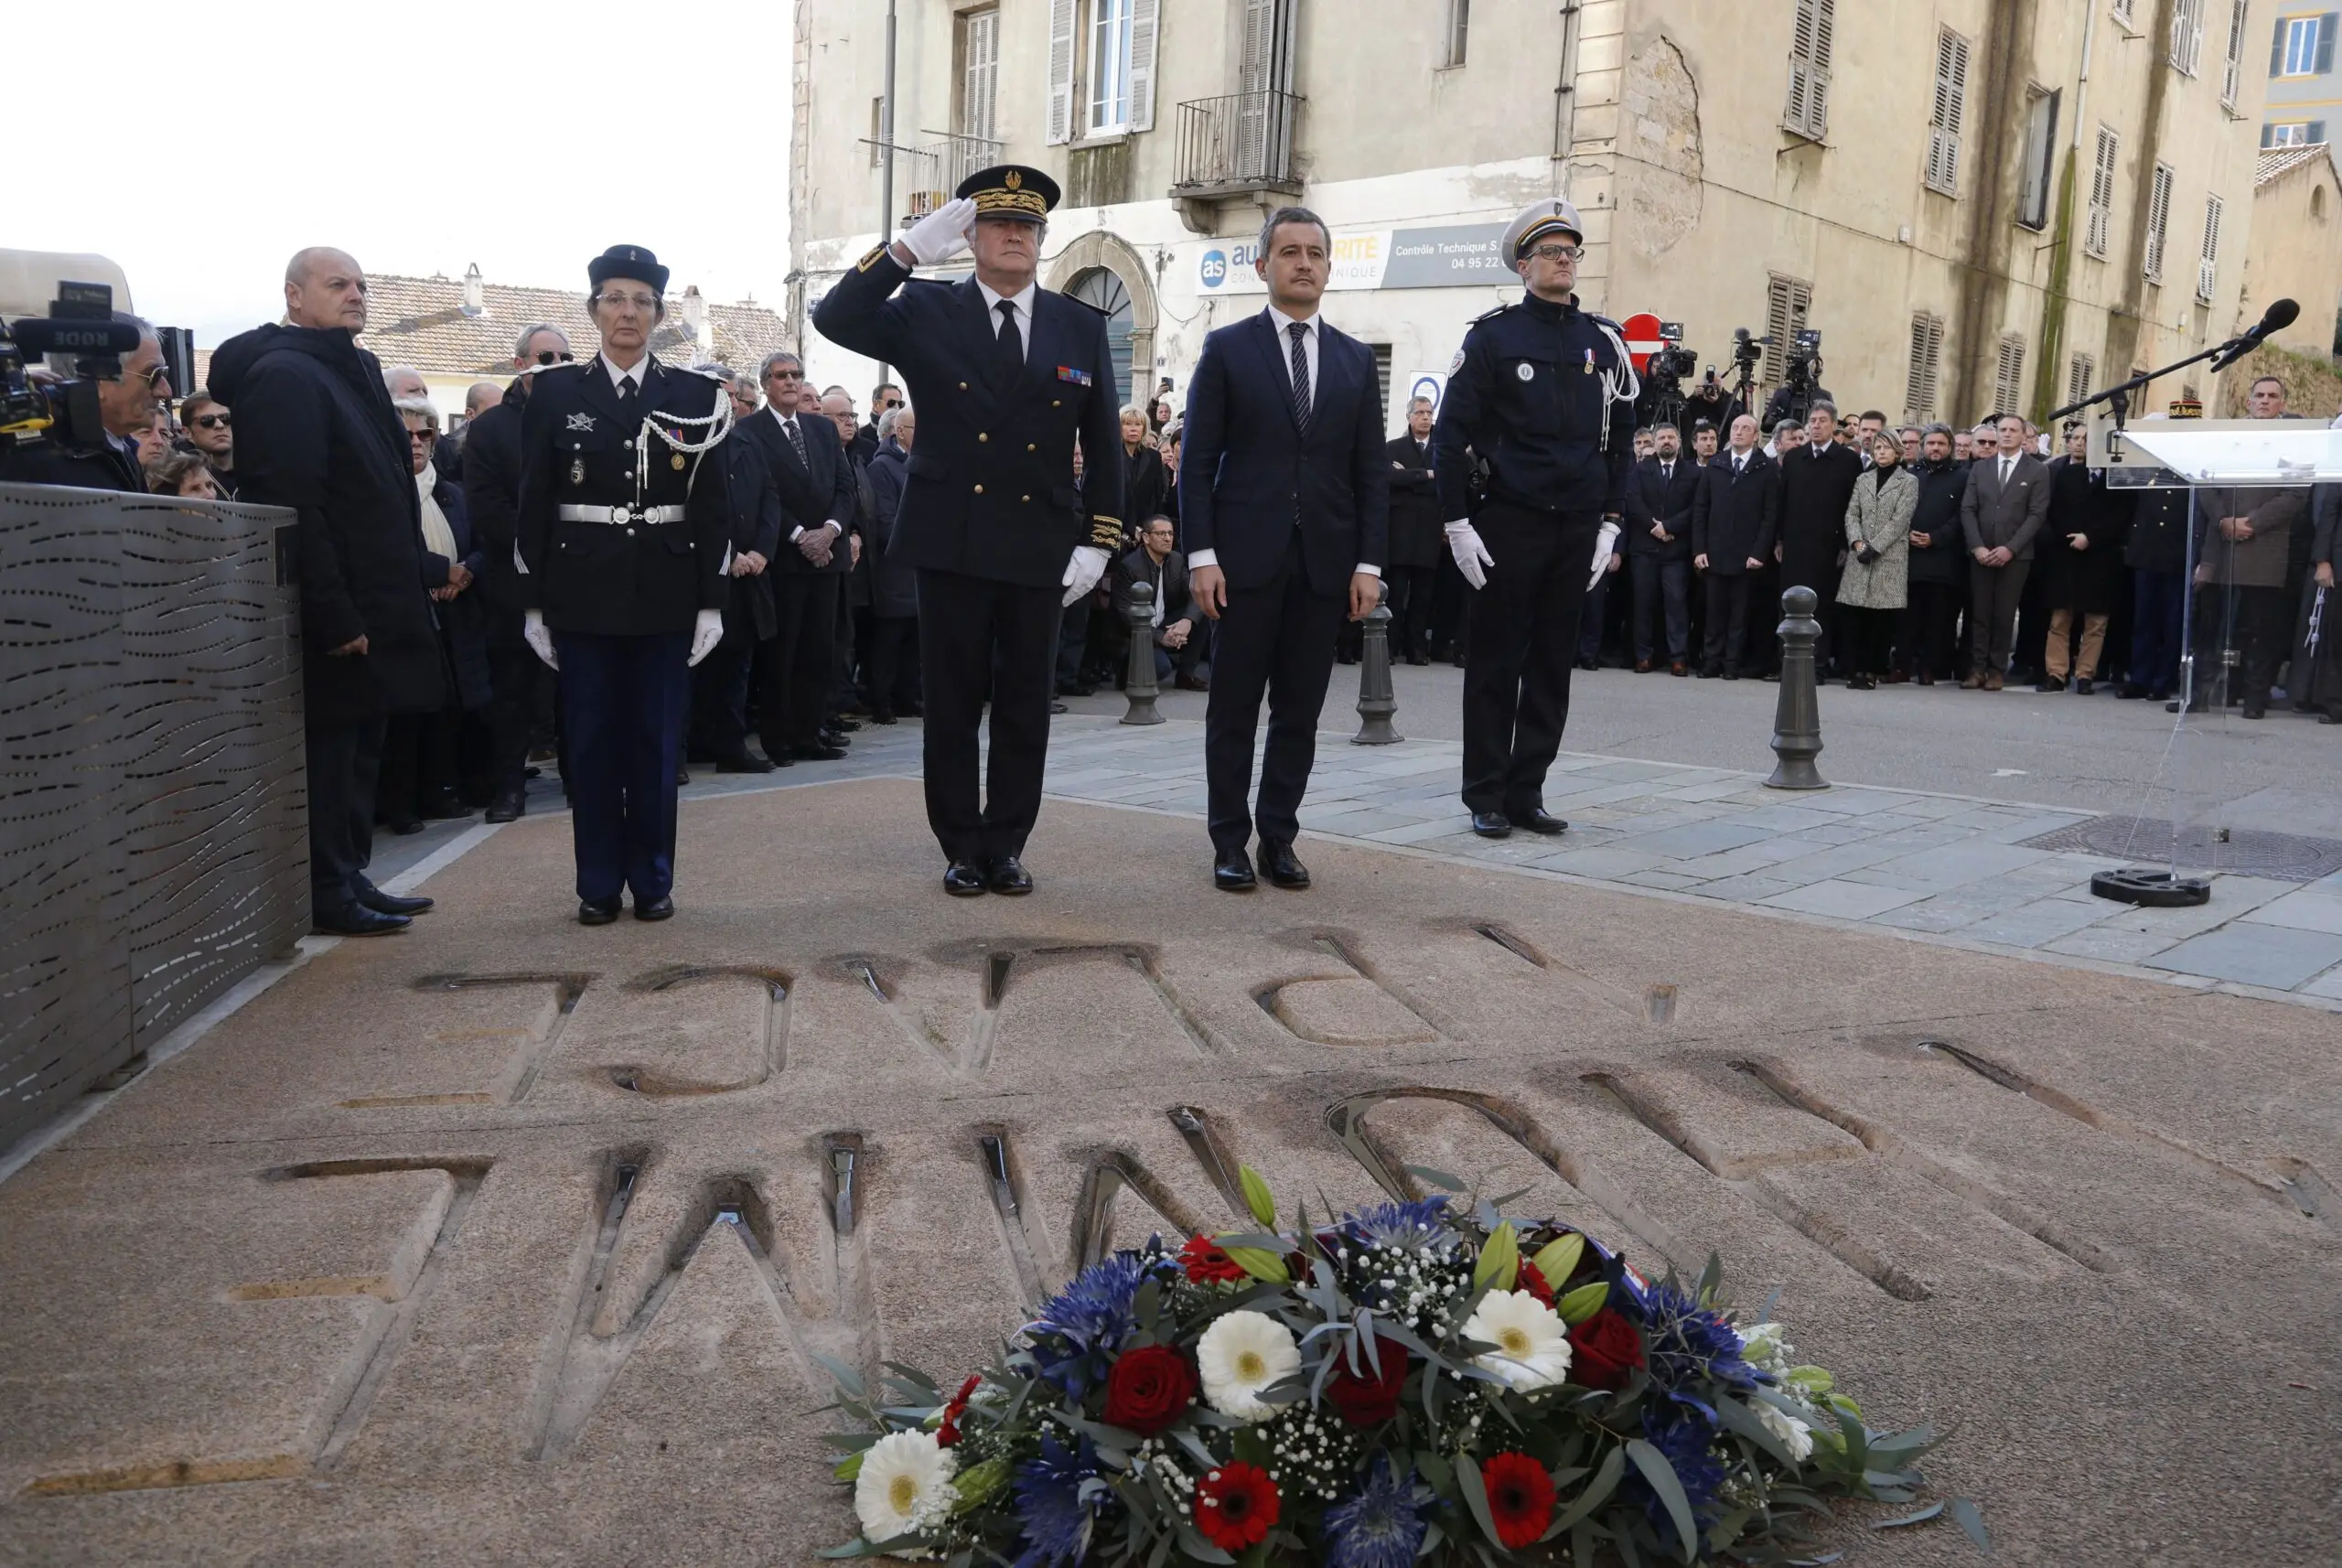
2007, 495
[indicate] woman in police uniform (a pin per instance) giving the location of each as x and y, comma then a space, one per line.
622, 556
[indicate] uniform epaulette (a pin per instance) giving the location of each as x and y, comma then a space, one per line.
714, 374
1605, 321
567, 367
1499, 310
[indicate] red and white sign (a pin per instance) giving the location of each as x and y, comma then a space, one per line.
1641, 333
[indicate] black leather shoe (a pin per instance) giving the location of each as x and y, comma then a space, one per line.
2084, 686
661, 908
836, 738
1233, 874
404, 826
683, 776
507, 809
815, 753
743, 763
357, 920
1537, 820
1492, 825
1007, 874
1279, 865
844, 726
383, 903
592, 914
963, 879
881, 717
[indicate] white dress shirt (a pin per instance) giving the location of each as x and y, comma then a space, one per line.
619, 378
1023, 300
1278, 323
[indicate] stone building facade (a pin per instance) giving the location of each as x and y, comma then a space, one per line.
1978, 203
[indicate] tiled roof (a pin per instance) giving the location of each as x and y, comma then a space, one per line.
421, 322
2276, 161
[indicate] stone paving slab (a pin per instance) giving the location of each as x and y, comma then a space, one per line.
508, 1242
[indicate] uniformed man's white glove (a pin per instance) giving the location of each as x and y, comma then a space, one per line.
1081, 572
1603, 544
1472, 557
537, 636
707, 632
943, 233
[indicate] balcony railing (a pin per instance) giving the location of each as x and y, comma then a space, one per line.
926, 176
1240, 143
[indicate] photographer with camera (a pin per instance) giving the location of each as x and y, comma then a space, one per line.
129, 390
1800, 389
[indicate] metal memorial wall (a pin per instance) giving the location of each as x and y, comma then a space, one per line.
154, 803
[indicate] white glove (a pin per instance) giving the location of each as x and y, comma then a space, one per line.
707, 632
1472, 557
943, 233
535, 634
1081, 572
1602, 547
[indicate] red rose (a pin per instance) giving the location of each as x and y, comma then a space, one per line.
1206, 1264
1365, 1397
1149, 1388
1532, 1280
947, 1432
1605, 1350
1235, 1504
1520, 1498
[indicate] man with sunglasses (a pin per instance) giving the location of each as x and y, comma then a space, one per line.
884, 398
106, 458
205, 420
492, 495
1543, 392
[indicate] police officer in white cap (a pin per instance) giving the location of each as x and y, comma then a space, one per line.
1542, 394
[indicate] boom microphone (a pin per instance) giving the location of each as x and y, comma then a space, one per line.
2281, 313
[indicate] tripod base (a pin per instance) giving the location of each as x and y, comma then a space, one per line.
2152, 889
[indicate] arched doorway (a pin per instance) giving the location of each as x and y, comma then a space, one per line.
1103, 292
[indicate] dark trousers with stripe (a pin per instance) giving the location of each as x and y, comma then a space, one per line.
624, 702
979, 640
1524, 629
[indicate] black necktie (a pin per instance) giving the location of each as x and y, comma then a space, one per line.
1012, 347
1667, 473
796, 440
625, 395
1738, 464
1299, 332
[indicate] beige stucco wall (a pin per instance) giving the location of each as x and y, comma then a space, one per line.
2296, 253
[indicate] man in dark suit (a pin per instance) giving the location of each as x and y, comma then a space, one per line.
1817, 481
1287, 517
816, 485
492, 495
719, 731
1416, 545
1174, 616
2007, 498
1007, 377
1659, 495
624, 539
1734, 514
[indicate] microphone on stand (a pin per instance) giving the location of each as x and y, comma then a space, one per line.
2279, 315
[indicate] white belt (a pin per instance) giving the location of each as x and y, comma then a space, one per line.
621, 514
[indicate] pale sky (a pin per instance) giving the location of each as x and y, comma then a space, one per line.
199, 146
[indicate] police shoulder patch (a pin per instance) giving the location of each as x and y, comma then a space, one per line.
870, 259
1457, 364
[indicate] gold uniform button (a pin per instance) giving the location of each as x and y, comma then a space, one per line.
983, 435
1024, 497
1028, 446
1056, 403
963, 386
980, 490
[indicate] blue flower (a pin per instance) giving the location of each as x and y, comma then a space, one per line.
1381, 1526
1054, 1503
1688, 1342
1409, 1225
1689, 1444
1078, 1332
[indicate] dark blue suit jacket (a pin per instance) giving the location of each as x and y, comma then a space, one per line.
1248, 475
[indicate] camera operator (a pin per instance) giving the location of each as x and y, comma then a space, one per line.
105, 459
1801, 387
1712, 400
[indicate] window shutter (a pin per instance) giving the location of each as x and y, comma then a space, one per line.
1808, 112
2008, 380
2207, 269
1060, 72
2277, 50
2079, 372
1927, 363
2158, 222
2232, 81
1787, 301
2325, 30
1952, 93
980, 76
1145, 23
2102, 192
2317, 132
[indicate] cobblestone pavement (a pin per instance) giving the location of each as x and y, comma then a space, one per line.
1940, 867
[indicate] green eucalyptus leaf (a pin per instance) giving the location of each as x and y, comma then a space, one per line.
1439, 1178
1925, 1514
1966, 1515
1657, 1471
1257, 1199
1499, 1262
1557, 1260
847, 1380
1597, 1492
1476, 1497
1582, 1303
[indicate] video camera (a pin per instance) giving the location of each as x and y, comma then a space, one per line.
1669, 365
1803, 368
82, 326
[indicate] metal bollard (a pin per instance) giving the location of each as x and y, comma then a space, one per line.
1376, 700
1797, 722
1138, 676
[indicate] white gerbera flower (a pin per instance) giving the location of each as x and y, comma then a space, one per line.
1241, 1355
1532, 1347
905, 1487
1795, 1435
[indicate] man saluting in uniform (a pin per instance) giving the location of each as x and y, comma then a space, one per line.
1535, 394
1006, 378
623, 549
